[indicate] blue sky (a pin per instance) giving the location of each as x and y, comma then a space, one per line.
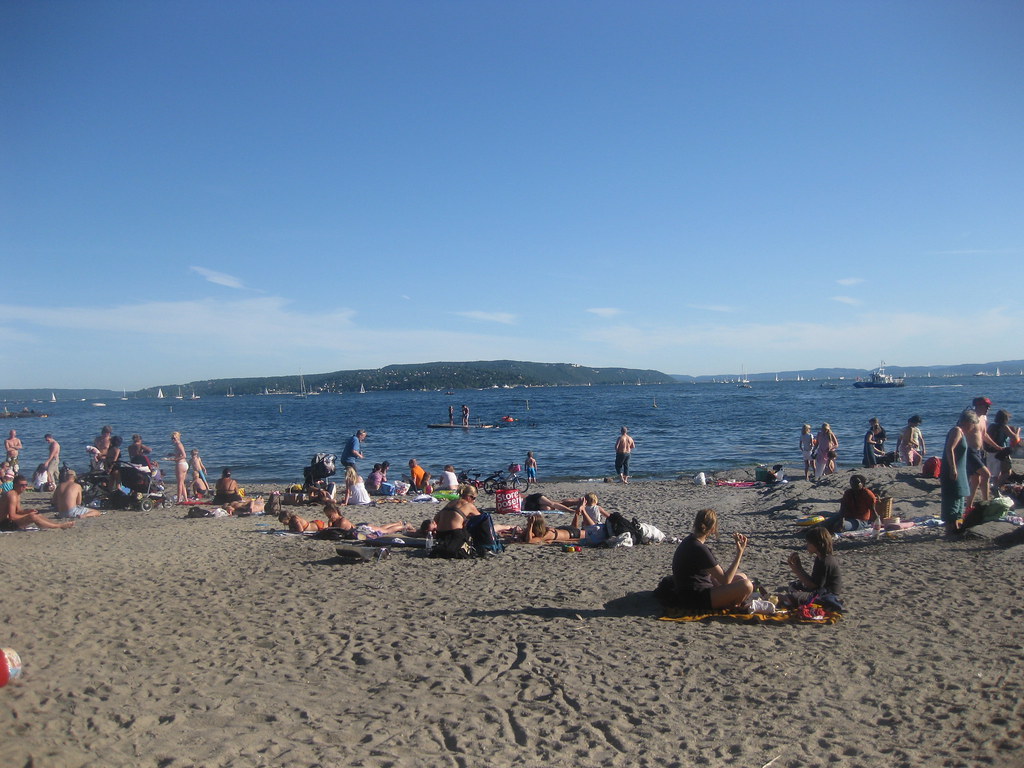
194, 190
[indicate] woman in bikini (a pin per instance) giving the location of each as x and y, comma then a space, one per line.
180, 458
537, 532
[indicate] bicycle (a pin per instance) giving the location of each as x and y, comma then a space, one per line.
506, 480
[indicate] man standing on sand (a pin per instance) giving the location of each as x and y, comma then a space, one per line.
465, 415
67, 499
353, 450
977, 438
13, 447
14, 518
623, 448
53, 460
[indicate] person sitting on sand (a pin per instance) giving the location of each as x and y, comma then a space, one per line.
416, 473
452, 536
7, 474
590, 519
449, 481
14, 518
538, 502
355, 489
857, 508
199, 486
374, 480
226, 490
700, 583
824, 576
538, 532
67, 499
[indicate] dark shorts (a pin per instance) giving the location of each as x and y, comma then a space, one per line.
7, 525
573, 531
695, 601
975, 460
226, 498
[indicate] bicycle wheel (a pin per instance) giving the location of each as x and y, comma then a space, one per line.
489, 486
521, 484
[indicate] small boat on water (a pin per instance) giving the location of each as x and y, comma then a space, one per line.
159, 394
879, 379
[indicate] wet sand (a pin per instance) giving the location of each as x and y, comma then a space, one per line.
150, 639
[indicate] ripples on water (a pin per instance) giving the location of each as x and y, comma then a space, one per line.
572, 430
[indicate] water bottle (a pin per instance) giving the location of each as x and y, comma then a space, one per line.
430, 542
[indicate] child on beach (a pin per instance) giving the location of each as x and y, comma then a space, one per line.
824, 578
807, 449
531, 468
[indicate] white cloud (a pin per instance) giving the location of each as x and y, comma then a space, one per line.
847, 300
605, 311
218, 278
489, 317
850, 281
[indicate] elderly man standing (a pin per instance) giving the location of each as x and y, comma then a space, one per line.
52, 460
13, 447
353, 449
623, 448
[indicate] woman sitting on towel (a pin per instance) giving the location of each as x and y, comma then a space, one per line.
227, 488
824, 576
856, 510
700, 582
355, 489
452, 536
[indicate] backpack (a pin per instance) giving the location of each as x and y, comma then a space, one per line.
932, 467
482, 533
618, 525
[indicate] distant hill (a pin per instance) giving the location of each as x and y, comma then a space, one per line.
1005, 367
439, 375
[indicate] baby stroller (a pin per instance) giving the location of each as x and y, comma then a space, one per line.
315, 475
136, 487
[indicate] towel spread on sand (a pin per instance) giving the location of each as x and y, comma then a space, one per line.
794, 617
738, 484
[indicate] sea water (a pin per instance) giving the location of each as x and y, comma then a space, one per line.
680, 429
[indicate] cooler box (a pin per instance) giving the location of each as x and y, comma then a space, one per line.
507, 501
762, 474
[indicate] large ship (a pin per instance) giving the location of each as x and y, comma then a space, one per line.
879, 379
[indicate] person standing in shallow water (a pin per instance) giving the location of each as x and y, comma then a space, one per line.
624, 447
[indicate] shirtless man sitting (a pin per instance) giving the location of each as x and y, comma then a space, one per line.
67, 499
14, 518
452, 536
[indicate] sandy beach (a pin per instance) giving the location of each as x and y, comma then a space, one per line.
150, 639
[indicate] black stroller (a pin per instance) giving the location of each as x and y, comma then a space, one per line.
315, 475
128, 486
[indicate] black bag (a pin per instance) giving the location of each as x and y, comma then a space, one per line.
453, 545
485, 538
619, 525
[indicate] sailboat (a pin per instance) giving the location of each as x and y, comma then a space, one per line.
193, 396
179, 396
159, 394
362, 390
124, 393
230, 393
53, 398
302, 387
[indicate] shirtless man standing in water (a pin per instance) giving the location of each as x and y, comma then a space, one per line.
623, 448
14, 518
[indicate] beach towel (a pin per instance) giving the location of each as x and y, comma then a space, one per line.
738, 483
740, 615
